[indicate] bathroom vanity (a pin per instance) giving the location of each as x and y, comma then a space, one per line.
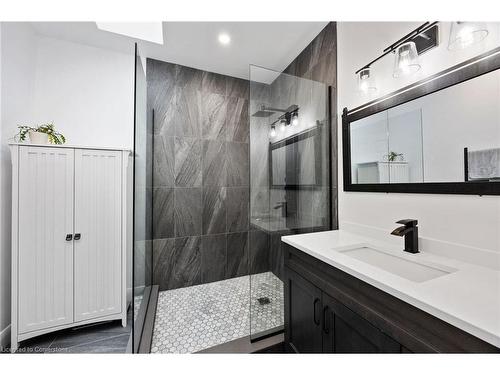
346, 293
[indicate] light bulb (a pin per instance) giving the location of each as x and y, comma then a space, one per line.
282, 125
272, 133
295, 118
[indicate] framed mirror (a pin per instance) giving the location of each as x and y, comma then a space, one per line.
439, 136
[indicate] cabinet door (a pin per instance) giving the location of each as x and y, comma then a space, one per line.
347, 332
98, 251
302, 314
45, 258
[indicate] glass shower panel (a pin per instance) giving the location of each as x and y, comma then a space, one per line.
143, 156
289, 182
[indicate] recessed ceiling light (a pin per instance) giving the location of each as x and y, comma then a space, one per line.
224, 39
148, 31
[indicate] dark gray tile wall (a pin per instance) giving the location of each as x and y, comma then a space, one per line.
200, 175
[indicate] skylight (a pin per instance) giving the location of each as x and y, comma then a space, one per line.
148, 31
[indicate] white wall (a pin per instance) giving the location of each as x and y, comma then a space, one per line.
18, 72
452, 219
87, 92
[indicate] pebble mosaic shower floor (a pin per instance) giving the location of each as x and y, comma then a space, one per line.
199, 317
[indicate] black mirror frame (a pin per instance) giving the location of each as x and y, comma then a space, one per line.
472, 68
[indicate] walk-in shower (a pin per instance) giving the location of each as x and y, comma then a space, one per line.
215, 191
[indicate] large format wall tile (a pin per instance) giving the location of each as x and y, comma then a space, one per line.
237, 254
188, 116
237, 122
213, 258
237, 164
177, 262
163, 212
161, 94
237, 209
163, 167
187, 209
259, 251
236, 87
214, 210
214, 163
213, 116
213, 83
187, 162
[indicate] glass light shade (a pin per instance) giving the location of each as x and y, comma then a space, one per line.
282, 125
295, 118
465, 34
366, 82
272, 133
406, 60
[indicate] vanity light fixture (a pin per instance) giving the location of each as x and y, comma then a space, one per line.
406, 50
366, 83
272, 133
406, 60
465, 34
224, 39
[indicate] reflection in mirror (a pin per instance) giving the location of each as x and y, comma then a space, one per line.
451, 135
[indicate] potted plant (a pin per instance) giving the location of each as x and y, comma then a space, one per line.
42, 134
394, 156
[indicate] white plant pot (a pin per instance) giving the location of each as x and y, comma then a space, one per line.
38, 138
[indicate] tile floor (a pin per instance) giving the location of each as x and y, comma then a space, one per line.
198, 317
108, 337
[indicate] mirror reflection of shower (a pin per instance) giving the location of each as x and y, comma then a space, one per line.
288, 116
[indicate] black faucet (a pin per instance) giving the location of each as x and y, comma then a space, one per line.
410, 231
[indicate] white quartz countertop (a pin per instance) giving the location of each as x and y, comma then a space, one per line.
468, 298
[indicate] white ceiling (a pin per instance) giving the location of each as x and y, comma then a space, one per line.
268, 44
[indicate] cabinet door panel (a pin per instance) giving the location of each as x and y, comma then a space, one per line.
45, 259
350, 333
303, 314
98, 255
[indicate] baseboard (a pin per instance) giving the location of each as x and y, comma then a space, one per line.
5, 338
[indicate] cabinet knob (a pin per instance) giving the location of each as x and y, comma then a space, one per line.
77, 236
69, 237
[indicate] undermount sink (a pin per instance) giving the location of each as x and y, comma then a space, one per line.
408, 269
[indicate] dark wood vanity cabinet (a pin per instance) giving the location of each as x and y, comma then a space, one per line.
317, 323
330, 311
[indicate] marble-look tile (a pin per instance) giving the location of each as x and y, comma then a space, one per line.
213, 83
177, 262
117, 344
214, 210
161, 94
237, 87
163, 212
259, 251
237, 208
237, 164
213, 258
187, 211
187, 162
237, 121
188, 78
213, 116
187, 112
324, 43
326, 70
214, 163
163, 168
164, 261
237, 254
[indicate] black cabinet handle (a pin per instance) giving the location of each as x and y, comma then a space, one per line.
326, 325
69, 237
77, 236
316, 321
